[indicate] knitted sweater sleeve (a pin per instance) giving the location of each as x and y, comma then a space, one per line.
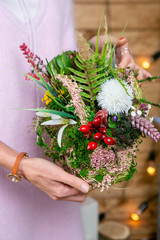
69, 40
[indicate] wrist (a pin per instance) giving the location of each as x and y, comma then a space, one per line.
7, 156
22, 167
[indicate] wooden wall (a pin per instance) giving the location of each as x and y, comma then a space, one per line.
143, 33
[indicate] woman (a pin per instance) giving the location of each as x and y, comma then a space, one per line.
27, 209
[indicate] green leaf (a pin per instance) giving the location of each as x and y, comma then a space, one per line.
98, 34
149, 79
112, 124
45, 83
94, 71
63, 114
104, 52
93, 85
84, 172
114, 59
99, 76
109, 133
79, 58
81, 80
83, 94
35, 80
83, 87
96, 90
123, 85
80, 66
52, 67
80, 74
99, 178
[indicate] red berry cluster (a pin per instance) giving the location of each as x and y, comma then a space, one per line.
100, 133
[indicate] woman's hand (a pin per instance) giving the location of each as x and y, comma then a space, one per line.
53, 180
124, 57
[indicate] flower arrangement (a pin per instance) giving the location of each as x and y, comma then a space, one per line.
93, 115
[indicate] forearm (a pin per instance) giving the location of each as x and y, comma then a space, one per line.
7, 156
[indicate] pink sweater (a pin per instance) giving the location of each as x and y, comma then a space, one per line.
26, 213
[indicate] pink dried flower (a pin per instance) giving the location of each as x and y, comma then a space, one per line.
101, 157
146, 127
76, 99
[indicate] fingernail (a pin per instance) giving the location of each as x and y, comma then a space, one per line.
121, 38
84, 188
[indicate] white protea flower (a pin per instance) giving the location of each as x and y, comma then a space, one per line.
56, 120
114, 98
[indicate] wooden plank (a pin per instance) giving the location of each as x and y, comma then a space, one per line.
113, 1
88, 16
144, 43
135, 15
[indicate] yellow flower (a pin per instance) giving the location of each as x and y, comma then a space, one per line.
62, 92
47, 98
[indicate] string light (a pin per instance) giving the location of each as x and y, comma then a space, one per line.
151, 169
146, 62
135, 216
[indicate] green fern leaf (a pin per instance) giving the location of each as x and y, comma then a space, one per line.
99, 76
98, 83
79, 58
79, 80
96, 90
80, 74
79, 65
83, 87
94, 71
83, 94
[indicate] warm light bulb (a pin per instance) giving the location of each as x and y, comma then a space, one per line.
145, 64
134, 216
151, 170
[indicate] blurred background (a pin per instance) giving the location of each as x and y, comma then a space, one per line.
139, 195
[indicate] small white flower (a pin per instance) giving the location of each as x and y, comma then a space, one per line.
139, 112
113, 96
146, 113
133, 108
149, 106
56, 120
133, 114
151, 119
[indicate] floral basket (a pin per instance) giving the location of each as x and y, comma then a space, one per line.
93, 115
